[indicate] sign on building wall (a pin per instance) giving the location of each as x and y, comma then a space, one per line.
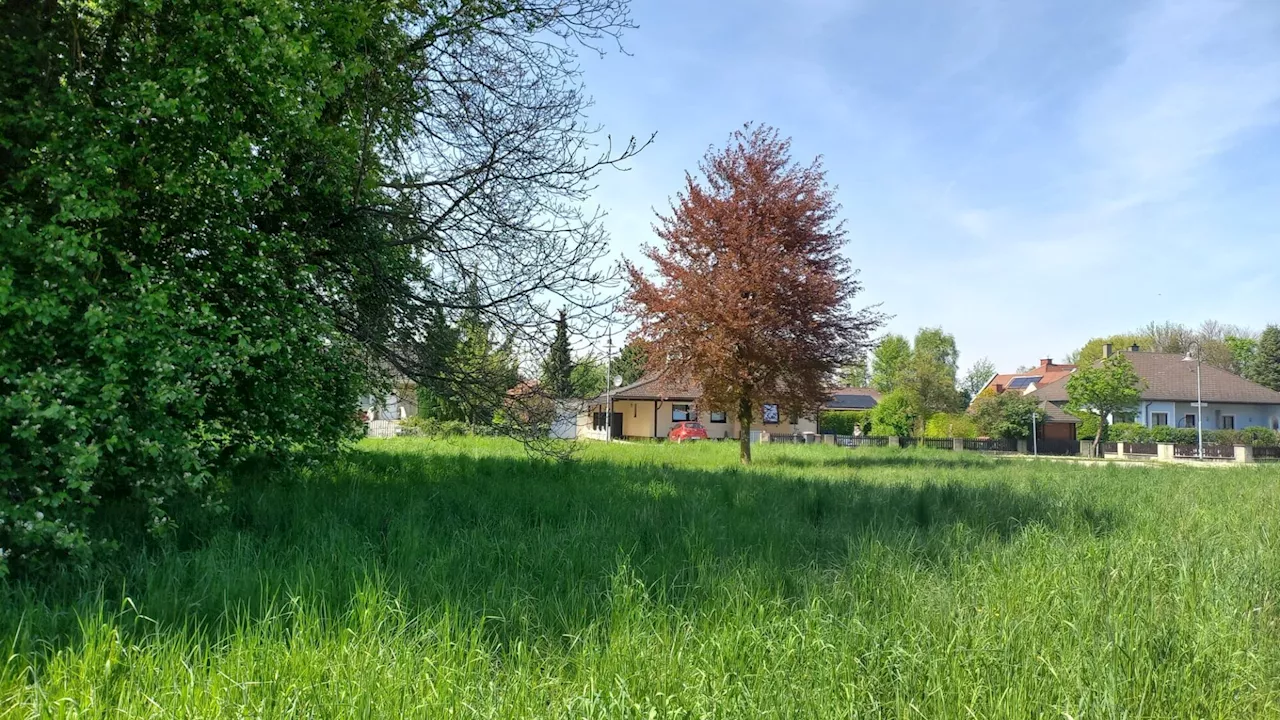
770, 414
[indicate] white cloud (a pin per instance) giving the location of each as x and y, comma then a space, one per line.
1197, 77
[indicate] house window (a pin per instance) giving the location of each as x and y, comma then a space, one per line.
1189, 420
1159, 419
681, 413
718, 416
770, 414
1228, 422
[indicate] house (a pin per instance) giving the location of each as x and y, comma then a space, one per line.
1058, 423
1169, 398
400, 401
651, 406
1047, 373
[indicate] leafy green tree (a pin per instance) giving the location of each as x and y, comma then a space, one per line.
1264, 367
1111, 388
222, 222
951, 425
1005, 415
929, 375
1092, 350
854, 375
557, 367
895, 414
979, 374
1242, 350
631, 362
588, 378
888, 362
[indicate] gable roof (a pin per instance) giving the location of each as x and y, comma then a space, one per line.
657, 387
1047, 373
852, 398
1169, 377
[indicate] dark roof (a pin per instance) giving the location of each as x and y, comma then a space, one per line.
852, 399
1055, 414
1169, 377
657, 387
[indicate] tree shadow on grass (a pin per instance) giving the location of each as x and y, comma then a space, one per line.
538, 549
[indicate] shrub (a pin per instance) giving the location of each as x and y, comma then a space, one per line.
1129, 432
1259, 436
431, 427
1007, 415
950, 425
894, 415
843, 422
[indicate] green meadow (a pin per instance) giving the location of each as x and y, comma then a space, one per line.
462, 578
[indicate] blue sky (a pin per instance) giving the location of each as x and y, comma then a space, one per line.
1025, 174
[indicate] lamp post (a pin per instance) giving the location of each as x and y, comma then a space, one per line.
1193, 355
1035, 445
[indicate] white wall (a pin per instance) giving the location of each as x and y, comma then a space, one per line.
1246, 415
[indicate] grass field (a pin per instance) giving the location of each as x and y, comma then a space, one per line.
463, 579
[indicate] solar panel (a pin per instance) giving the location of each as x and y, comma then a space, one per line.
1021, 382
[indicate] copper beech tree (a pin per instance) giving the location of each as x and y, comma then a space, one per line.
752, 299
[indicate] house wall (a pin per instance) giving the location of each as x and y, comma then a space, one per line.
1246, 415
637, 417
638, 421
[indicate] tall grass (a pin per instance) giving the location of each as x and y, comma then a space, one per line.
461, 578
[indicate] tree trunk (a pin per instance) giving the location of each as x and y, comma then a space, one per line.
744, 429
1097, 439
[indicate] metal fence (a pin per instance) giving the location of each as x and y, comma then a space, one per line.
991, 445
908, 442
1109, 448
1211, 452
938, 443
1266, 454
1141, 449
861, 441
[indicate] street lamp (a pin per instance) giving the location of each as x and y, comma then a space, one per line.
1035, 446
1193, 355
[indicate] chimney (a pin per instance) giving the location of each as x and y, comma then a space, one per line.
1106, 350
1045, 363
1133, 347
999, 388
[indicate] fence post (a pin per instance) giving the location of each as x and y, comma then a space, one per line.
894, 442
1022, 447
1244, 453
1086, 448
828, 439
957, 443
1120, 450
1164, 452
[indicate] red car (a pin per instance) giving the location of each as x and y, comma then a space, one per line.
687, 431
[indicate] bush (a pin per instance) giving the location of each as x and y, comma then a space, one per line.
894, 415
1128, 432
420, 426
950, 425
1132, 432
1260, 436
843, 422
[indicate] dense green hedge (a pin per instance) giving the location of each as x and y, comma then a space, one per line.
843, 422
1133, 432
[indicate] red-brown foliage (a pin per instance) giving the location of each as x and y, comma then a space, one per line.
753, 300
